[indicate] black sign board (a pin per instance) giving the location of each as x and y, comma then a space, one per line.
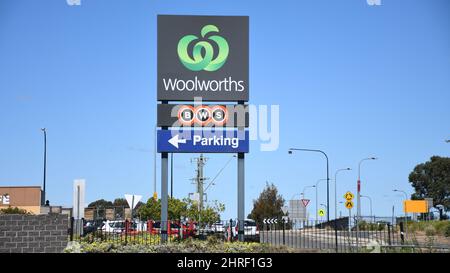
211, 115
202, 57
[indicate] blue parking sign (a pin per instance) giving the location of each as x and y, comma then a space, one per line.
203, 141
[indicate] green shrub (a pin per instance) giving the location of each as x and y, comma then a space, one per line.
430, 231
14, 210
438, 227
447, 231
186, 246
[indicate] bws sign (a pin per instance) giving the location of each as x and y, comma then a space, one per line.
189, 115
202, 56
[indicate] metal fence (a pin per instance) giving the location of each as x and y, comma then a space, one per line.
150, 231
336, 236
341, 235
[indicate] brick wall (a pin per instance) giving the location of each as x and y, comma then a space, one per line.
45, 233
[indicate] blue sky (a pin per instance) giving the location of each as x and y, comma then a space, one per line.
351, 79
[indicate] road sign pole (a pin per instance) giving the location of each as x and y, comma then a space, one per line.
349, 220
241, 195
132, 206
164, 195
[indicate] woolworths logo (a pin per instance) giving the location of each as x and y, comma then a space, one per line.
203, 51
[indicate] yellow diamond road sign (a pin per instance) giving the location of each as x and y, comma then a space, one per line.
348, 196
349, 204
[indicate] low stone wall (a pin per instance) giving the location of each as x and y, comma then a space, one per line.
45, 233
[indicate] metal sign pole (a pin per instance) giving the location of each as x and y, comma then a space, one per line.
132, 206
164, 195
164, 191
241, 195
349, 220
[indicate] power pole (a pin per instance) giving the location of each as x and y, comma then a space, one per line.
200, 179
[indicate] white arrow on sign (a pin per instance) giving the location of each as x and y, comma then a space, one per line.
270, 220
132, 200
175, 141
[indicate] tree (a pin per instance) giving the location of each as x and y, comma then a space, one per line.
432, 180
100, 208
100, 204
178, 209
120, 202
209, 213
150, 210
268, 204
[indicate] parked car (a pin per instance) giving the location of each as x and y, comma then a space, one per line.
89, 227
140, 226
217, 227
188, 229
251, 231
113, 226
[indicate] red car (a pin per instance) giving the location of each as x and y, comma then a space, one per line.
189, 229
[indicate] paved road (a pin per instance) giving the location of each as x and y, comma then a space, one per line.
322, 239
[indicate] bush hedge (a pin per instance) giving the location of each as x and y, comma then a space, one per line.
186, 246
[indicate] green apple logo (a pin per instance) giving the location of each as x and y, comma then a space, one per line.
200, 61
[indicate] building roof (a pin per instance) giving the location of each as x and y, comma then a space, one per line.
20, 187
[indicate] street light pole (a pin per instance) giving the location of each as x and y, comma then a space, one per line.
317, 198
326, 208
335, 190
304, 189
340, 212
303, 196
45, 165
406, 214
358, 198
370, 202
295, 194
328, 175
359, 186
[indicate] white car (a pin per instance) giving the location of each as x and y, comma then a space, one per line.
217, 227
250, 229
113, 226
140, 226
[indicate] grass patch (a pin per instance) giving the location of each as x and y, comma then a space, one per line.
431, 228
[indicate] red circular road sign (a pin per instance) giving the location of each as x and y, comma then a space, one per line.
186, 115
219, 115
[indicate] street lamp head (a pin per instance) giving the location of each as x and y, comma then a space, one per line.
290, 152
43, 129
374, 158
